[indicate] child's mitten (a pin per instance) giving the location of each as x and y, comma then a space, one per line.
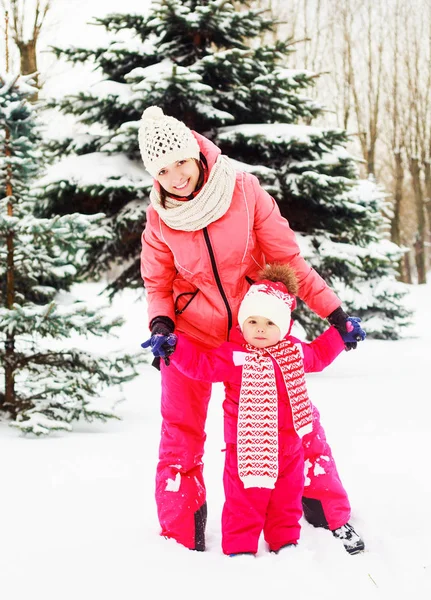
348, 327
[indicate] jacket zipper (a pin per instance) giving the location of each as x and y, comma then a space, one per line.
218, 280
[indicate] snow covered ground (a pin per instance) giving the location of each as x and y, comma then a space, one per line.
79, 518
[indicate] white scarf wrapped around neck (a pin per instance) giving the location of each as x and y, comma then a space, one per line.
258, 410
209, 205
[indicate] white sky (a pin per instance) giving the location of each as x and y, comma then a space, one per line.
79, 518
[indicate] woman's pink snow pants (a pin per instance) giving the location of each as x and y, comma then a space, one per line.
180, 488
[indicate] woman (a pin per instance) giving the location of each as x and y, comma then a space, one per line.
209, 230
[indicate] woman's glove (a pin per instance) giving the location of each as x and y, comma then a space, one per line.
162, 346
348, 327
162, 340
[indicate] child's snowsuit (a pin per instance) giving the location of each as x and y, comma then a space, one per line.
249, 511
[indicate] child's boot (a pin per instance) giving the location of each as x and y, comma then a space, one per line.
352, 542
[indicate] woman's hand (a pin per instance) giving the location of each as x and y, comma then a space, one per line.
162, 346
162, 340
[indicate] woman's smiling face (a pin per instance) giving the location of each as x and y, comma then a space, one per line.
180, 178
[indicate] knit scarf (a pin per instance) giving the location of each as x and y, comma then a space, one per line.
258, 410
209, 205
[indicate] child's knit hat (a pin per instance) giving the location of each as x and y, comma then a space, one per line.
164, 140
272, 297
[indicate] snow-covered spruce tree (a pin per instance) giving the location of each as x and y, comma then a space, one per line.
45, 384
203, 62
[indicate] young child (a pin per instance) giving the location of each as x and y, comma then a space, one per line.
266, 411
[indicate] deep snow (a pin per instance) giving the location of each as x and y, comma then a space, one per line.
79, 518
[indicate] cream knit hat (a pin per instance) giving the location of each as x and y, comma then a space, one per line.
164, 140
271, 300
273, 296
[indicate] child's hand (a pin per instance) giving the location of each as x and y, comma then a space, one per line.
354, 332
162, 345
347, 327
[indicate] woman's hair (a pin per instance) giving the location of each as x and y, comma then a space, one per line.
203, 167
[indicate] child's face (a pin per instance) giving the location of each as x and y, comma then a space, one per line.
260, 332
179, 178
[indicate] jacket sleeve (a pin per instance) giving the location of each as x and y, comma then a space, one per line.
322, 351
205, 365
278, 243
157, 270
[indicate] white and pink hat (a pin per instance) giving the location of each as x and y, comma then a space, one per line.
269, 299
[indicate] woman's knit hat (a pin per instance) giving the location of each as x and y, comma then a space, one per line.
164, 140
272, 297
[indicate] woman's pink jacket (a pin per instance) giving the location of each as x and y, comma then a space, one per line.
199, 278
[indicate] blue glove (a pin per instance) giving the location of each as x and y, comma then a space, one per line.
161, 327
354, 332
348, 327
162, 346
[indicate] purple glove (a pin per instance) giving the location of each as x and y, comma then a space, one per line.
162, 346
161, 342
348, 327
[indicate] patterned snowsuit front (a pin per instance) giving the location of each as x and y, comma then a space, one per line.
198, 279
249, 511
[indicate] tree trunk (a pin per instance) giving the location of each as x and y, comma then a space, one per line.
9, 369
427, 171
371, 159
396, 231
28, 56
407, 267
398, 192
419, 245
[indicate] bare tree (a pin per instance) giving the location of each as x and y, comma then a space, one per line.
378, 53
395, 126
427, 142
364, 37
10, 279
346, 38
418, 70
26, 35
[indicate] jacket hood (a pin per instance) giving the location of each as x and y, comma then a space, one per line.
208, 149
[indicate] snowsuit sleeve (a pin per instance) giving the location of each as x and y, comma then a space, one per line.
278, 243
322, 351
204, 365
157, 269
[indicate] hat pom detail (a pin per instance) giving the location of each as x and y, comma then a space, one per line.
153, 112
282, 273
